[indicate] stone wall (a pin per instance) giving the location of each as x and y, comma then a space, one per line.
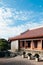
14, 45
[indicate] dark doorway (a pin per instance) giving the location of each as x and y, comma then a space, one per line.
22, 43
29, 44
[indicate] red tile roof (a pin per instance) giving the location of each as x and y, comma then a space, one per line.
29, 34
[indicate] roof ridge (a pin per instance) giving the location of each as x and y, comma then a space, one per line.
36, 28
25, 31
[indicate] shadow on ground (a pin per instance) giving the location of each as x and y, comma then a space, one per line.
16, 63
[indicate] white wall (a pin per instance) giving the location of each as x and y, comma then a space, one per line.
14, 45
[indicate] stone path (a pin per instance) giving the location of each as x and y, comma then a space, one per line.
18, 61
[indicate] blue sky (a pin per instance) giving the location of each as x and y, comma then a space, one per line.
16, 16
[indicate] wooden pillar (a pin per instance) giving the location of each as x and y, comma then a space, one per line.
25, 44
42, 44
39, 45
32, 44
21, 44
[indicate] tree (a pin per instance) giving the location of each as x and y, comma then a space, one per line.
3, 44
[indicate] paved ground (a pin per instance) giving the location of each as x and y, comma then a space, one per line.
18, 61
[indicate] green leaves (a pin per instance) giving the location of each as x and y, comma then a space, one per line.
3, 44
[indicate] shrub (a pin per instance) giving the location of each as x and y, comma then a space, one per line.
3, 45
29, 54
24, 53
36, 55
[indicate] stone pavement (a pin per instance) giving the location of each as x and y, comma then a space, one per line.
18, 60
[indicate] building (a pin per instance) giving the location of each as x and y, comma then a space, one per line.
29, 40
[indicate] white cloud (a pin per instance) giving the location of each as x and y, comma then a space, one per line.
7, 32
8, 16
22, 15
5, 16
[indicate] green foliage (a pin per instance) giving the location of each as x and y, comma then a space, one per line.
3, 44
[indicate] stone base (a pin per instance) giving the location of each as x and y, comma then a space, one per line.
23, 56
29, 57
37, 59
